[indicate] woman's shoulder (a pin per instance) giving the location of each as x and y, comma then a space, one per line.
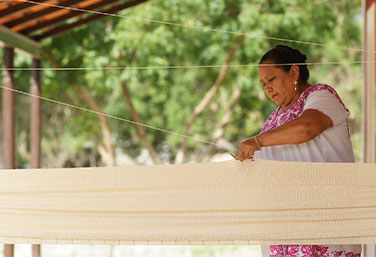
320, 90
319, 87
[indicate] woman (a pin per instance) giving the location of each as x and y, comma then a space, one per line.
309, 124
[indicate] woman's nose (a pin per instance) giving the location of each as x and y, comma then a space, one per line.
268, 87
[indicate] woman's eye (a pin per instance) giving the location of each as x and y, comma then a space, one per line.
270, 80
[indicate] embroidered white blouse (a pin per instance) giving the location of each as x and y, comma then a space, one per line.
332, 145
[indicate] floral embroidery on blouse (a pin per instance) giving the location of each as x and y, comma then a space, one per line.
308, 251
277, 119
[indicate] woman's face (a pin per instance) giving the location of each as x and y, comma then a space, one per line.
278, 84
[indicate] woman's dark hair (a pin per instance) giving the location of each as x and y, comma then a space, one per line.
282, 54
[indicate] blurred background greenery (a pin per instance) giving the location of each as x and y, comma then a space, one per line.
139, 251
167, 98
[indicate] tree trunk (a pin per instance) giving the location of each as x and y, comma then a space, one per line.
220, 130
207, 99
140, 129
221, 127
107, 151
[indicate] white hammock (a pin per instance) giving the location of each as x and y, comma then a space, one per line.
260, 202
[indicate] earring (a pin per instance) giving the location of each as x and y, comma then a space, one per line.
295, 83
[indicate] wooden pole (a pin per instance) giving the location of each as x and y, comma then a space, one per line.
36, 111
369, 94
36, 250
369, 91
8, 149
36, 126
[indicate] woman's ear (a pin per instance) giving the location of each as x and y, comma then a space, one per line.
294, 70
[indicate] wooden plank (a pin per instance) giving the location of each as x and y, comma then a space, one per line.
34, 15
53, 15
19, 7
71, 14
8, 116
67, 27
16, 15
19, 41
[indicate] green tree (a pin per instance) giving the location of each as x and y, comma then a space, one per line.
167, 98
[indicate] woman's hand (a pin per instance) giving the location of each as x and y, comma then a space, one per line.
300, 130
247, 148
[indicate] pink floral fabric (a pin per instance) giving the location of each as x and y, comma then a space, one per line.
279, 117
308, 251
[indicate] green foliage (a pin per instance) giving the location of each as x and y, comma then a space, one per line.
166, 98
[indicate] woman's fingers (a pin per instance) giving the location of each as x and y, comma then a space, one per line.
246, 151
248, 155
244, 155
241, 155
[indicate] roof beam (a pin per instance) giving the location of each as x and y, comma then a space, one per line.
16, 8
72, 14
19, 41
63, 28
12, 9
34, 15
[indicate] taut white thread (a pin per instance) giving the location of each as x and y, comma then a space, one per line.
205, 29
110, 116
180, 66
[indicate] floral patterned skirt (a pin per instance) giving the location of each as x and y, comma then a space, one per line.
311, 251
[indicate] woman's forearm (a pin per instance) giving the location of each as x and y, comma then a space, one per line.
297, 131
309, 125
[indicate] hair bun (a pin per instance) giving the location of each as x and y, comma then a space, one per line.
282, 54
300, 56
